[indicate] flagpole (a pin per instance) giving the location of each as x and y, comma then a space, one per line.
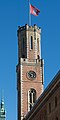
29, 15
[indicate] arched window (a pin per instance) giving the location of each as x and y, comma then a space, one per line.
31, 43
23, 44
38, 44
31, 98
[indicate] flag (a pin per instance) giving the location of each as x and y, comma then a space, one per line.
34, 10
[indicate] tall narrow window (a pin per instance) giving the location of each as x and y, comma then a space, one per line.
38, 44
49, 107
23, 44
31, 43
55, 101
31, 98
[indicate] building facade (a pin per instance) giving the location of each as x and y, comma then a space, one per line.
47, 106
2, 110
30, 68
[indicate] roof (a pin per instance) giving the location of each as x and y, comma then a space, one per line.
54, 84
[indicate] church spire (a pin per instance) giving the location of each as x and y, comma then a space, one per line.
2, 110
2, 103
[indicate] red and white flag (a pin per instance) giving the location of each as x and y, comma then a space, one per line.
34, 10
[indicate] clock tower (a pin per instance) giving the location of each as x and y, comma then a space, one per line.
30, 75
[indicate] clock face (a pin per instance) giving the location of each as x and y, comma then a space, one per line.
31, 75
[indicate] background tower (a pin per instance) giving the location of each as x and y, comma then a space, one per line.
2, 110
29, 69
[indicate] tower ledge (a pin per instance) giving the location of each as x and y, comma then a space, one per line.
30, 28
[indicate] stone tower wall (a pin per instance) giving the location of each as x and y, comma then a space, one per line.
28, 60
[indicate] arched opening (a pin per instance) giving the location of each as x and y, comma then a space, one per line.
31, 43
38, 44
23, 44
31, 98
